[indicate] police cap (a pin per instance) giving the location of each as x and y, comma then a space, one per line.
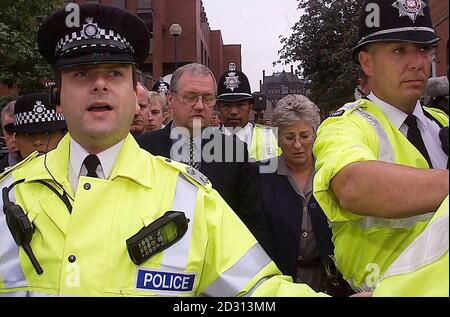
33, 114
395, 20
104, 34
233, 86
161, 86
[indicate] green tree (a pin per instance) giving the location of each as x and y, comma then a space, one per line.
22, 67
321, 41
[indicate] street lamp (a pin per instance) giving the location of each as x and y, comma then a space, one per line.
175, 30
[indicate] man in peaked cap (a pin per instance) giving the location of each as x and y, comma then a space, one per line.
380, 165
161, 86
73, 220
36, 124
235, 101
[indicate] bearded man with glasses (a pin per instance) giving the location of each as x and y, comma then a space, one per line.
223, 159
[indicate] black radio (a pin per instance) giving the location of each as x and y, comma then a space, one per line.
158, 236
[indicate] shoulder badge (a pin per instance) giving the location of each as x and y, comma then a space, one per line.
193, 175
337, 113
347, 108
25, 161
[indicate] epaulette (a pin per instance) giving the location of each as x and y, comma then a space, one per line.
190, 173
347, 109
262, 126
25, 161
439, 111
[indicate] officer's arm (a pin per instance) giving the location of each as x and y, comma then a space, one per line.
388, 190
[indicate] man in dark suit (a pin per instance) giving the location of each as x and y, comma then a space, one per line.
223, 159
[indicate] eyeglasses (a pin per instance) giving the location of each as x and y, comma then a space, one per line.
291, 138
191, 99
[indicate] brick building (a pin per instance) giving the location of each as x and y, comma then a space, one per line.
197, 42
278, 86
439, 12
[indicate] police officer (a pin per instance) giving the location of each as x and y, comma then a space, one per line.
162, 88
85, 200
36, 125
374, 156
235, 101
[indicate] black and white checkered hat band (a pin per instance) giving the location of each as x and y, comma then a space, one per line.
33, 117
104, 38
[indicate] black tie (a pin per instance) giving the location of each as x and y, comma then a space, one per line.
415, 137
91, 162
191, 160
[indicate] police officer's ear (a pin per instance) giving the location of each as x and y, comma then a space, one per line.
366, 62
54, 94
170, 101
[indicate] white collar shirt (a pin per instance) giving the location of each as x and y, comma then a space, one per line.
427, 127
77, 156
245, 134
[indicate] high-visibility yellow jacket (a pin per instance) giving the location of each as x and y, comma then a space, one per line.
84, 252
364, 246
422, 268
264, 144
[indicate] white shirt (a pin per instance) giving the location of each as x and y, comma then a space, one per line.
77, 156
428, 129
245, 134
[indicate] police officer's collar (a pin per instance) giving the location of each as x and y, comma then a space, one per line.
107, 157
244, 134
395, 115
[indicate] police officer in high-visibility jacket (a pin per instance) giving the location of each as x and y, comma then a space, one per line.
422, 268
235, 101
380, 163
81, 219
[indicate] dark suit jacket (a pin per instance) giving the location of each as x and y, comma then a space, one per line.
282, 208
4, 163
236, 181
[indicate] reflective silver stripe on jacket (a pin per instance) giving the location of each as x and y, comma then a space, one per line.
10, 270
429, 246
232, 281
26, 294
385, 151
175, 257
386, 154
268, 143
267, 138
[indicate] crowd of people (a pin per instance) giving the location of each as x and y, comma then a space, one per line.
113, 189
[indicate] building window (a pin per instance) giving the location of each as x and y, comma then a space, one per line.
144, 4
118, 3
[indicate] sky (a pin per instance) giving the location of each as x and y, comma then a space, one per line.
256, 25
